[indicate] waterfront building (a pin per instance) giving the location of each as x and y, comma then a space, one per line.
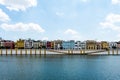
28, 44
118, 44
83, 45
0, 42
8, 44
43, 44
113, 45
91, 44
36, 44
77, 45
80, 45
49, 44
57, 44
19, 44
98, 45
52, 44
68, 44
104, 45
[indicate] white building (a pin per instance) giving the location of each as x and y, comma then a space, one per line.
112, 45
80, 45
28, 44
36, 44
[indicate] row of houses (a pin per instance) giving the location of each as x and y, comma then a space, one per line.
57, 44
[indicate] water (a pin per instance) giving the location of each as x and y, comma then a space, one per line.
59, 67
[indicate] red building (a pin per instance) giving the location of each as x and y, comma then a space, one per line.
48, 45
9, 44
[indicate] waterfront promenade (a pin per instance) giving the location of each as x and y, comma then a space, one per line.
52, 51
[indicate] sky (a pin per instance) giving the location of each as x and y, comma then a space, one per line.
60, 19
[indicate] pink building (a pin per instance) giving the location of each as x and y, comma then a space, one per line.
9, 44
118, 44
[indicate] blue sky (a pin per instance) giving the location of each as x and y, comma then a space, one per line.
60, 19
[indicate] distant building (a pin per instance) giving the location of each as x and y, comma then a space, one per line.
9, 44
57, 44
28, 44
43, 44
19, 44
77, 45
68, 44
104, 45
49, 44
91, 44
80, 45
0, 42
98, 44
36, 44
112, 45
118, 44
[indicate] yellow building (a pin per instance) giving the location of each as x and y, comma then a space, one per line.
52, 44
104, 45
91, 44
19, 44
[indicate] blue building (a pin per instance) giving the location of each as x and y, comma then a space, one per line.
68, 44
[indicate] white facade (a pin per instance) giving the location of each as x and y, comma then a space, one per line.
36, 44
112, 45
80, 45
28, 44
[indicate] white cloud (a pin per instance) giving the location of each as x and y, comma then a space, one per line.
72, 34
45, 38
84, 0
18, 4
3, 16
110, 22
115, 1
21, 27
60, 14
70, 31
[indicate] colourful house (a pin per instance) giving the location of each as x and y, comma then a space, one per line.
118, 44
49, 44
91, 44
28, 44
68, 44
36, 44
19, 44
57, 44
9, 44
104, 45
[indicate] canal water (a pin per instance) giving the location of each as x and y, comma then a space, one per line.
59, 67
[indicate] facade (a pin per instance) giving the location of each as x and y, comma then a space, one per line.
43, 44
58, 44
36, 44
19, 44
28, 44
118, 44
83, 45
48, 45
104, 45
98, 45
91, 44
0, 42
112, 45
80, 45
68, 44
9, 44
77, 45
52, 44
